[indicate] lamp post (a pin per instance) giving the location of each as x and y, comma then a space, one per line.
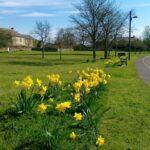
130, 26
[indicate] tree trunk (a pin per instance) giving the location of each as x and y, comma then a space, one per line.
60, 50
109, 51
43, 52
106, 50
94, 50
115, 52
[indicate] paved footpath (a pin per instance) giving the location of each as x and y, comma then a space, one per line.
143, 67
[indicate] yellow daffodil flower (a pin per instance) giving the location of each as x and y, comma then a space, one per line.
27, 82
39, 82
109, 76
105, 82
100, 141
54, 79
73, 136
51, 100
77, 97
62, 107
42, 108
43, 90
17, 83
77, 86
78, 116
87, 90
70, 71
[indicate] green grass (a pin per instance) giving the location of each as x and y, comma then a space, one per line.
19, 64
125, 125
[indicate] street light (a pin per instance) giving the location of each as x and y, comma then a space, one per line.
130, 26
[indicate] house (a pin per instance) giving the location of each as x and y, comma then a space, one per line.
20, 40
126, 39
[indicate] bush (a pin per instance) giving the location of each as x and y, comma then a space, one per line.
136, 45
81, 47
47, 49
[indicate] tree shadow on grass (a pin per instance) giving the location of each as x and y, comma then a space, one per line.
57, 54
46, 63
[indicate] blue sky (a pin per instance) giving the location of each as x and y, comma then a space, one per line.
22, 14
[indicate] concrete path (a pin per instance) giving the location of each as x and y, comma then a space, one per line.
143, 67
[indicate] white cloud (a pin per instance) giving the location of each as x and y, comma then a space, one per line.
6, 12
29, 3
71, 12
38, 14
139, 31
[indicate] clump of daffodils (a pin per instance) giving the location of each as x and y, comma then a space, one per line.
88, 79
112, 62
80, 92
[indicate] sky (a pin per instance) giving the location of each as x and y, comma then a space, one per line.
23, 14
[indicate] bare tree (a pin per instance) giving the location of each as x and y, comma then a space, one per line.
81, 36
65, 38
42, 31
112, 25
60, 40
88, 21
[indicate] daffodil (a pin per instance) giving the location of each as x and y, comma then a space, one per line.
62, 107
77, 97
39, 82
86, 83
87, 90
100, 141
71, 94
78, 116
70, 71
27, 82
51, 100
73, 136
77, 86
42, 108
43, 90
109, 76
105, 81
17, 83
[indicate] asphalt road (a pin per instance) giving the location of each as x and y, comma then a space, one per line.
143, 67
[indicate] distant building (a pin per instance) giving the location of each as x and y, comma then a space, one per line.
20, 40
127, 39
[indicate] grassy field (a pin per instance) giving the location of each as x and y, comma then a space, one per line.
126, 124
19, 64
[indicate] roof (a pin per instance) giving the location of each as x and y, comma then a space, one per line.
16, 34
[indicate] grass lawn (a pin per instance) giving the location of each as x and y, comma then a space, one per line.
125, 126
